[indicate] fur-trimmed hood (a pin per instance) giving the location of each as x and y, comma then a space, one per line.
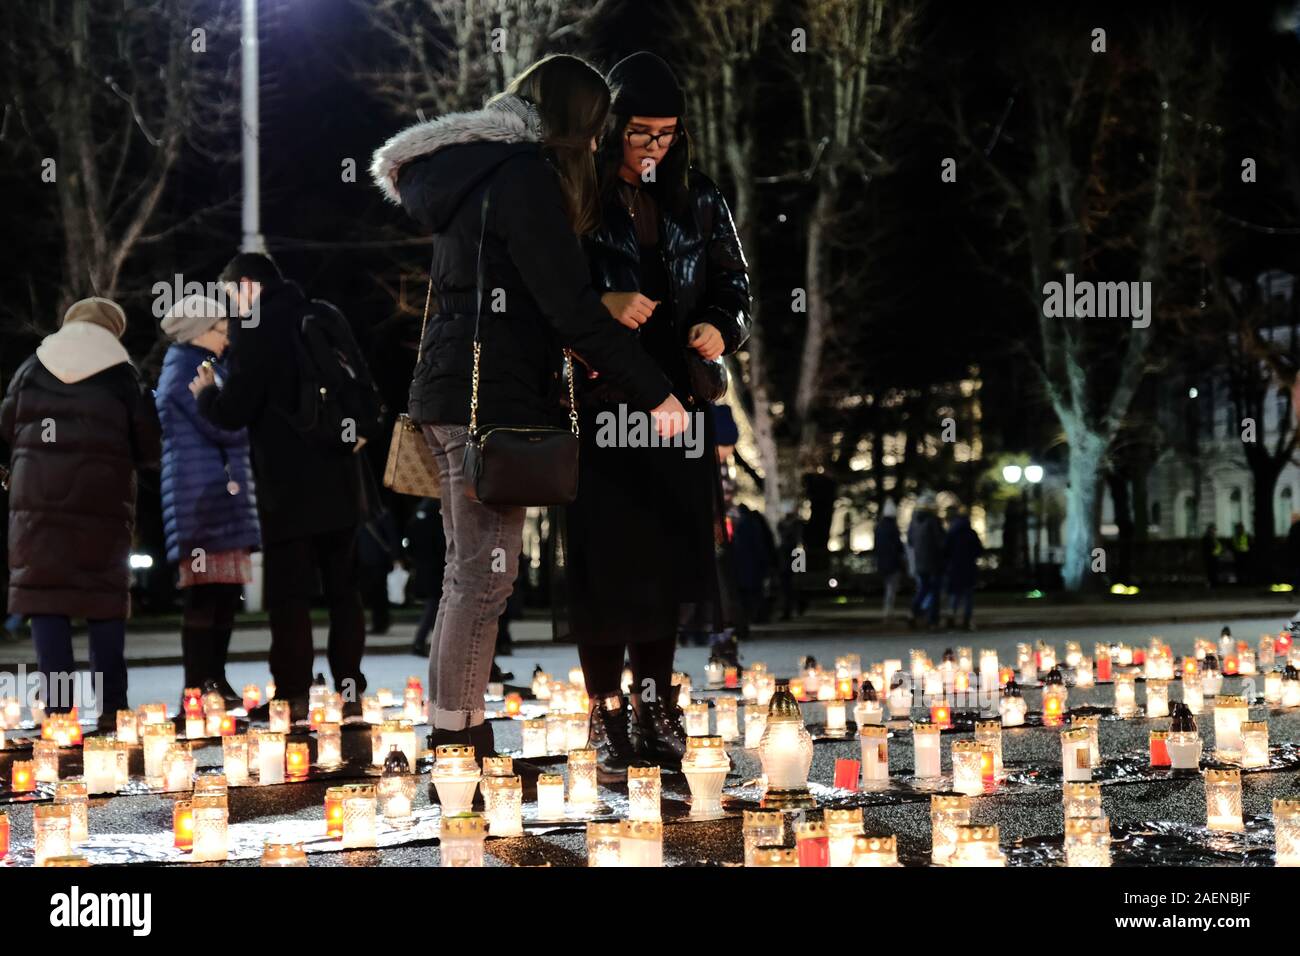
508, 119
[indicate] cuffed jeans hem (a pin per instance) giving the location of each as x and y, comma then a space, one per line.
456, 719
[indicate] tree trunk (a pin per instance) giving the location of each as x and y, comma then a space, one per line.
819, 317
1082, 501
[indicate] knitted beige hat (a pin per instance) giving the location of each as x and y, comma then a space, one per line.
191, 317
98, 311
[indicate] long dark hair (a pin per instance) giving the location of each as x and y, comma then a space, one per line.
670, 187
573, 100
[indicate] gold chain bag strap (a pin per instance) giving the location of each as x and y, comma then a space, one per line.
411, 469
528, 465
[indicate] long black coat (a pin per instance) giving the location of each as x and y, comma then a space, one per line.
72, 499
302, 489
702, 255
537, 293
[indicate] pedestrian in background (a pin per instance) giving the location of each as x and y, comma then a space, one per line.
962, 548
78, 425
925, 545
208, 500
888, 549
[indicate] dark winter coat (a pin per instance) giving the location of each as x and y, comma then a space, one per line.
75, 449
889, 546
707, 276
962, 548
302, 489
199, 460
536, 274
925, 538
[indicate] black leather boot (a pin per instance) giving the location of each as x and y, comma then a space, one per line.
609, 734
658, 735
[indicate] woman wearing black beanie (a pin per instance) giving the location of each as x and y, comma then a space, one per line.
642, 537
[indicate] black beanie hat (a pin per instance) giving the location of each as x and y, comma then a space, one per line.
644, 85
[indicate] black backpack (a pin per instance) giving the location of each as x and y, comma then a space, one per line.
338, 401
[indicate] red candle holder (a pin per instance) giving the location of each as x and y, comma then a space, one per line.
1103, 668
23, 778
513, 705
1160, 748
228, 725
812, 845
1282, 645
1006, 675
1230, 665
731, 676
847, 773
4, 835
1139, 656
334, 813
986, 766
941, 715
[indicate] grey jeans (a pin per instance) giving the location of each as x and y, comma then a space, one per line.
483, 545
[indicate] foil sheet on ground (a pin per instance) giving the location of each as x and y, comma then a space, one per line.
1161, 843
1136, 768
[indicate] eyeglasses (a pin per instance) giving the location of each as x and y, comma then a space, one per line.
639, 140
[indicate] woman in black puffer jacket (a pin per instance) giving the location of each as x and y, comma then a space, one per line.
519, 173
78, 425
644, 536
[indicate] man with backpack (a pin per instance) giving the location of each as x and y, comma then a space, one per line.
297, 381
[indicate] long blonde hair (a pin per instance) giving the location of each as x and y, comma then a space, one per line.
573, 100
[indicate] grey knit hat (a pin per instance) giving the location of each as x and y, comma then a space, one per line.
191, 317
96, 310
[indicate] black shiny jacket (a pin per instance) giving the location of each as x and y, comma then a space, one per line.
705, 264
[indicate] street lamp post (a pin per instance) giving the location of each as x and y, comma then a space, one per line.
1032, 475
252, 227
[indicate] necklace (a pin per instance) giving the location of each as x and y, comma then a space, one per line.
631, 203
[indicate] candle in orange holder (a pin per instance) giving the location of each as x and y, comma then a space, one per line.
1160, 748
1101, 652
228, 725
334, 812
23, 777
316, 717
1230, 665
941, 715
513, 705
297, 759
796, 688
252, 695
844, 687
183, 825
4, 835
1006, 675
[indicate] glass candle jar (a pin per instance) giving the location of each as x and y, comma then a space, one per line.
1055, 698
1193, 696
1081, 800
604, 839
900, 697
775, 856
359, 816
53, 826
329, 746
128, 722
99, 764
234, 759
842, 829
812, 844
1223, 800
1083, 674
297, 760
582, 780
211, 841
749, 686
22, 776
761, 828
766, 688
1157, 697
873, 743
283, 854
412, 704
1229, 714
1076, 760
1184, 749
332, 710
1254, 744
183, 825
334, 812
270, 757
278, 716
875, 851
644, 789
1087, 841
1089, 722
11, 712
372, 710
503, 801
1159, 744
977, 846
836, 722
785, 752
455, 776
1211, 676
705, 766
967, 769
641, 843
123, 753
576, 728
158, 738
178, 769
925, 750
713, 673
1290, 686
868, 712
755, 724
1125, 695
550, 796
989, 733
45, 755
947, 813
1286, 831
534, 738
214, 708
1012, 710
461, 840
401, 733
727, 718
557, 733
1273, 687
396, 791
71, 793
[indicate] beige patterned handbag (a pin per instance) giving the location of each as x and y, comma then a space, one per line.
411, 469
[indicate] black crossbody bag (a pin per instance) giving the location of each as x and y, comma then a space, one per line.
518, 465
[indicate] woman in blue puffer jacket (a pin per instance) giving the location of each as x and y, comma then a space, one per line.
209, 505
